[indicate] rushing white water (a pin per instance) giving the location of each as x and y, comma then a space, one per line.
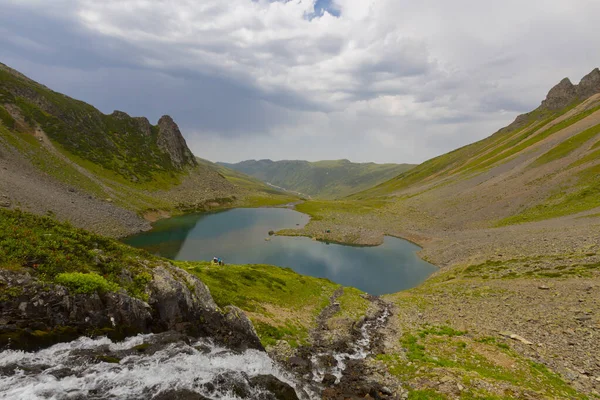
360, 350
61, 372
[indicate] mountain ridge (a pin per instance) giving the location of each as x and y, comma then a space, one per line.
111, 173
325, 179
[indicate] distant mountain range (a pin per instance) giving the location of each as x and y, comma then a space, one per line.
323, 179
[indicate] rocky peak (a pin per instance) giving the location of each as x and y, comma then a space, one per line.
560, 95
589, 85
171, 141
565, 92
120, 115
144, 125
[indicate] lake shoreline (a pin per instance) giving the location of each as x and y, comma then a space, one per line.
241, 236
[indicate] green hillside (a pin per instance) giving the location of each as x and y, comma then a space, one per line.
323, 179
543, 165
63, 157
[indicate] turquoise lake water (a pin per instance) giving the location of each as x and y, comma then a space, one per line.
238, 237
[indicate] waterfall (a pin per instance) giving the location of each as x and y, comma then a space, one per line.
76, 371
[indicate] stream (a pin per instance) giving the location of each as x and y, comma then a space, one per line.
79, 370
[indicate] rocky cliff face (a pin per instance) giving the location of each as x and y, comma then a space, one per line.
171, 141
589, 85
36, 314
129, 146
560, 95
565, 92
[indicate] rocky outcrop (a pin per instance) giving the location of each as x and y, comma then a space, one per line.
566, 93
36, 314
589, 85
171, 141
560, 95
120, 115
144, 125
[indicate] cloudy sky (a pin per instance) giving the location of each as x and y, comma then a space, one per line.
367, 80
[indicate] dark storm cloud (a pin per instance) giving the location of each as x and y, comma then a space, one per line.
375, 80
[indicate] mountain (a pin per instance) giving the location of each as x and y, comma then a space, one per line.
513, 223
543, 165
63, 157
324, 179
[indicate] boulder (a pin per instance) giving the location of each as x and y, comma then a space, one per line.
4, 201
38, 314
280, 390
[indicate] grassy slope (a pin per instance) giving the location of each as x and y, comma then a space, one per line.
284, 305
324, 179
262, 194
281, 303
110, 156
53, 251
441, 351
580, 193
115, 142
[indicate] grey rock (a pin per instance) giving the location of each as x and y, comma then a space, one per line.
589, 85
177, 301
280, 390
120, 114
298, 362
565, 92
560, 95
328, 380
183, 394
171, 141
144, 125
5, 201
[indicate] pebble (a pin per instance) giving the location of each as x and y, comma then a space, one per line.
543, 287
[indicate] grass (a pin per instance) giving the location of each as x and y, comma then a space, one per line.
570, 265
533, 138
117, 142
267, 201
568, 146
33, 150
318, 209
57, 252
583, 196
6, 119
281, 303
437, 352
80, 282
323, 179
591, 157
439, 165
352, 305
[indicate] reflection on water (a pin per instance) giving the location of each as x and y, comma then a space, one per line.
238, 236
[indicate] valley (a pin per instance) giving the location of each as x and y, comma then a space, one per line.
512, 222
322, 179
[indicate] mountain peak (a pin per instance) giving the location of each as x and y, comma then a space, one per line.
564, 93
590, 84
560, 95
171, 141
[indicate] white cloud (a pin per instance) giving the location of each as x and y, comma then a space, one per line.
391, 80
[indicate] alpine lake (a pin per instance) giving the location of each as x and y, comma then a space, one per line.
241, 236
